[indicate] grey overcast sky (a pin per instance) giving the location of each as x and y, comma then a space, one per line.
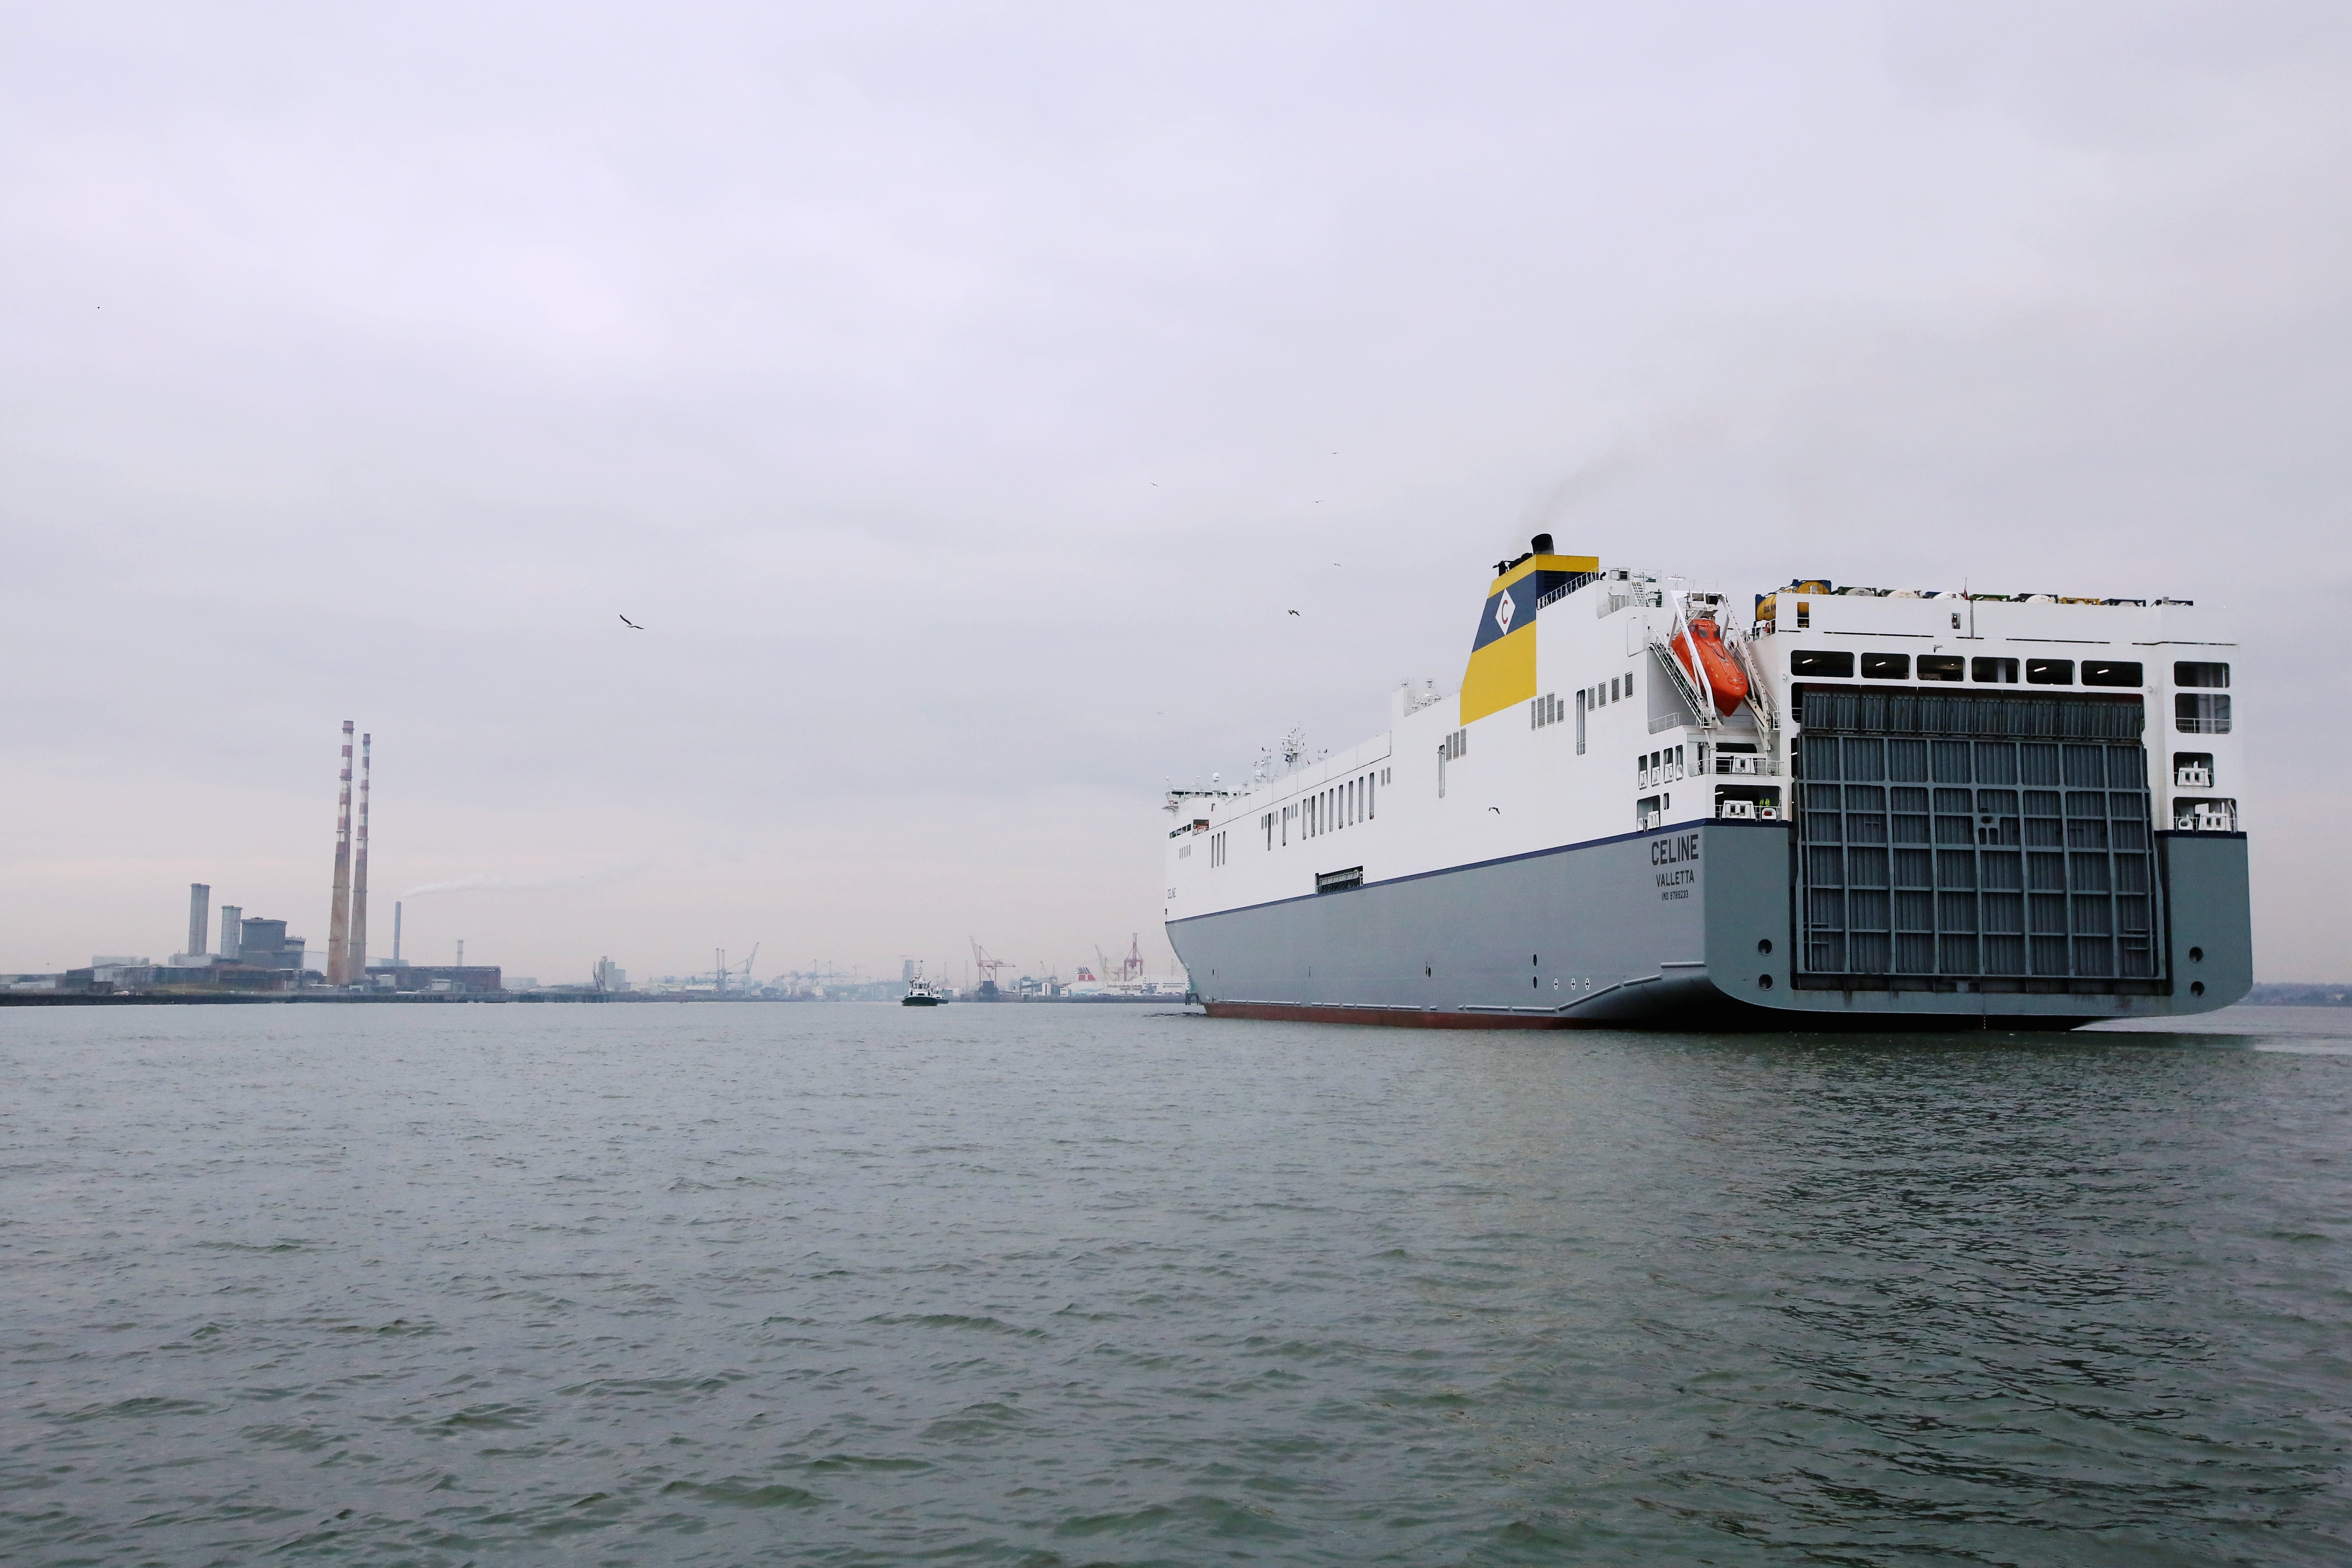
960, 395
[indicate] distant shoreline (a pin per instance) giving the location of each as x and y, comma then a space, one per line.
445, 998
2299, 994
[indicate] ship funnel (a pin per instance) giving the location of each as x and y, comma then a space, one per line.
1503, 654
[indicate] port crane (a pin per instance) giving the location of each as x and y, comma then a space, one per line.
1127, 968
985, 966
722, 972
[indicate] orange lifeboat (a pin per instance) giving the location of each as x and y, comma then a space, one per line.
1724, 676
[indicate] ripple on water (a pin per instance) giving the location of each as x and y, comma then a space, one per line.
845, 1286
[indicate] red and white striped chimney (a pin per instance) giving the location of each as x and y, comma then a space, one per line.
339, 915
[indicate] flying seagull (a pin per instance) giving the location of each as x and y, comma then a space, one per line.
631, 625
1294, 612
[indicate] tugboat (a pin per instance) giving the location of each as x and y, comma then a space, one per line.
920, 993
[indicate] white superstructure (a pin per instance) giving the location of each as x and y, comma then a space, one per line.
2003, 726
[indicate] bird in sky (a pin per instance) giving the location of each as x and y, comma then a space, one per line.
631, 625
1294, 612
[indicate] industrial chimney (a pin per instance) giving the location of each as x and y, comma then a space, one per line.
232, 933
338, 913
200, 912
357, 962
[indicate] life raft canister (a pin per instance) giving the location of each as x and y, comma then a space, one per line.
1724, 676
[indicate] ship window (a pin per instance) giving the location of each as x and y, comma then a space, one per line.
2201, 714
1940, 666
1886, 667
1998, 671
1371, 797
1583, 705
1268, 823
1819, 661
2214, 676
2110, 672
2050, 672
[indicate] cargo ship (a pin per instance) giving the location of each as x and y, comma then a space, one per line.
1832, 807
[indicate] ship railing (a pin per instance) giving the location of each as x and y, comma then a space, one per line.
1759, 694
1565, 589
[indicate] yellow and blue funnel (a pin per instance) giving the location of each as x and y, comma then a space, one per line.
1503, 654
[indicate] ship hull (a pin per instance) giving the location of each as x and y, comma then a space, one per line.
1691, 926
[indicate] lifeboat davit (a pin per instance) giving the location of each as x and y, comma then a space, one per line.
1724, 676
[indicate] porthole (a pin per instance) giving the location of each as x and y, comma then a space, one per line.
1764, 981
1765, 946
2196, 955
2197, 988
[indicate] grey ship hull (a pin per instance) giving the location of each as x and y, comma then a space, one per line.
1691, 927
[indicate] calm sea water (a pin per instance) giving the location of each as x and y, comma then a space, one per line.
839, 1285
